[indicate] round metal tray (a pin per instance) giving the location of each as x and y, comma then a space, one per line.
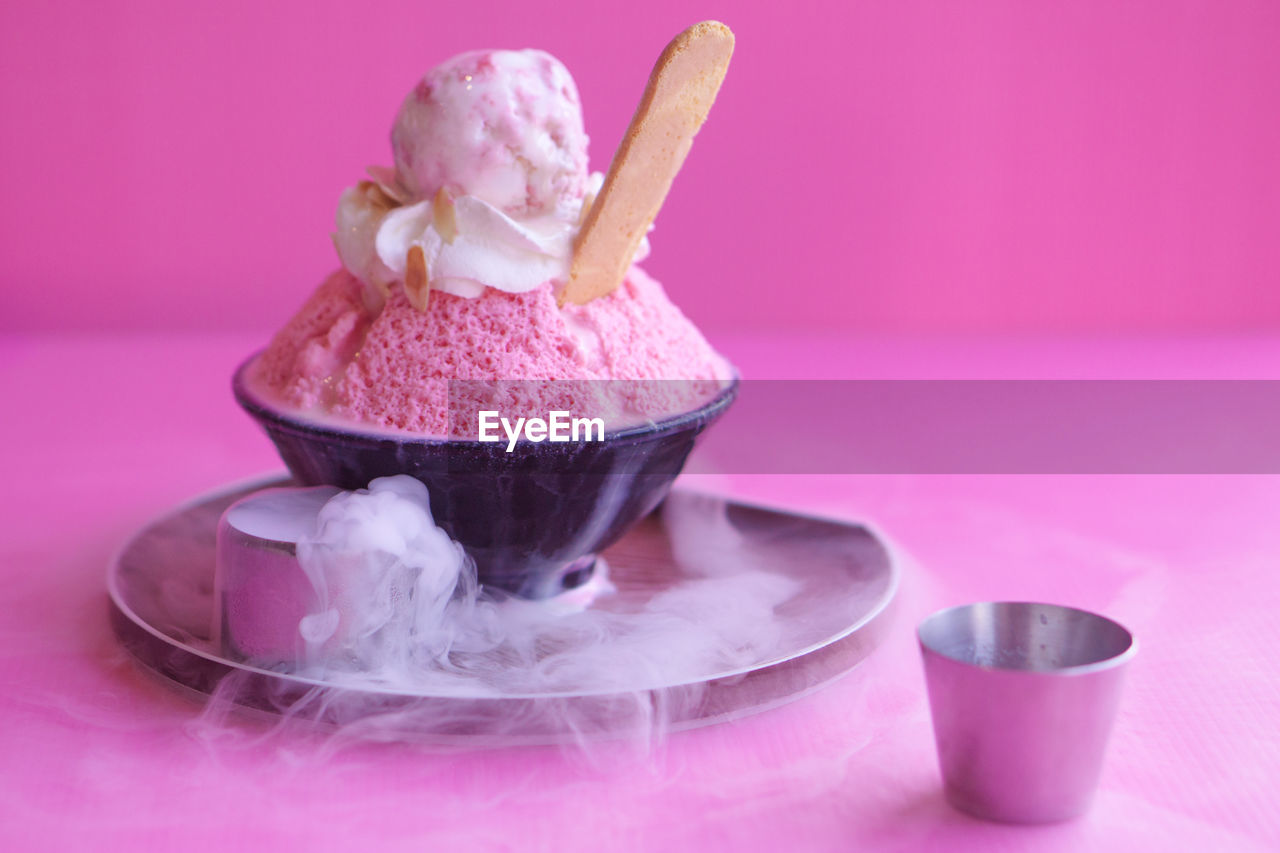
162, 584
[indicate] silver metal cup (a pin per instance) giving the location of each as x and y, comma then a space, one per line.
1023, 697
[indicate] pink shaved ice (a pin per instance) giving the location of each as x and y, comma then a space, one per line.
336, 359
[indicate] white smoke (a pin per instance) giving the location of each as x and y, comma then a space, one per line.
398, 622
390, 587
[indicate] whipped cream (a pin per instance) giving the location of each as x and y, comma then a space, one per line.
467, 242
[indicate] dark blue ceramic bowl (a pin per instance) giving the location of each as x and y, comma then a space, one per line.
533, 519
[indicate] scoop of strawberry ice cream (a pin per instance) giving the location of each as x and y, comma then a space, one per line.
503, 126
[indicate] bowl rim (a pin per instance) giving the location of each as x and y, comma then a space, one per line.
262, 410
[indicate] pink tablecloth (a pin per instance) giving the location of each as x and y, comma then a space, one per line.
101, 433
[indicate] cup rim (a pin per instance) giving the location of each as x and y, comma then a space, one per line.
1111, 662
262, 410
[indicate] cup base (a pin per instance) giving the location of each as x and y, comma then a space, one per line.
964, 802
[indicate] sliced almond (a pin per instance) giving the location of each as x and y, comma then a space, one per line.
442, 216
675, 103
389, 182
377, 196
417, 284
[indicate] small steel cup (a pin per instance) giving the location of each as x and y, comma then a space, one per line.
1023, 697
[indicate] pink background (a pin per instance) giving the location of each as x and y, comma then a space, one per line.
914, 180
872, 166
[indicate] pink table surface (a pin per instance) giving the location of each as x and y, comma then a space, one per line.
100, 433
